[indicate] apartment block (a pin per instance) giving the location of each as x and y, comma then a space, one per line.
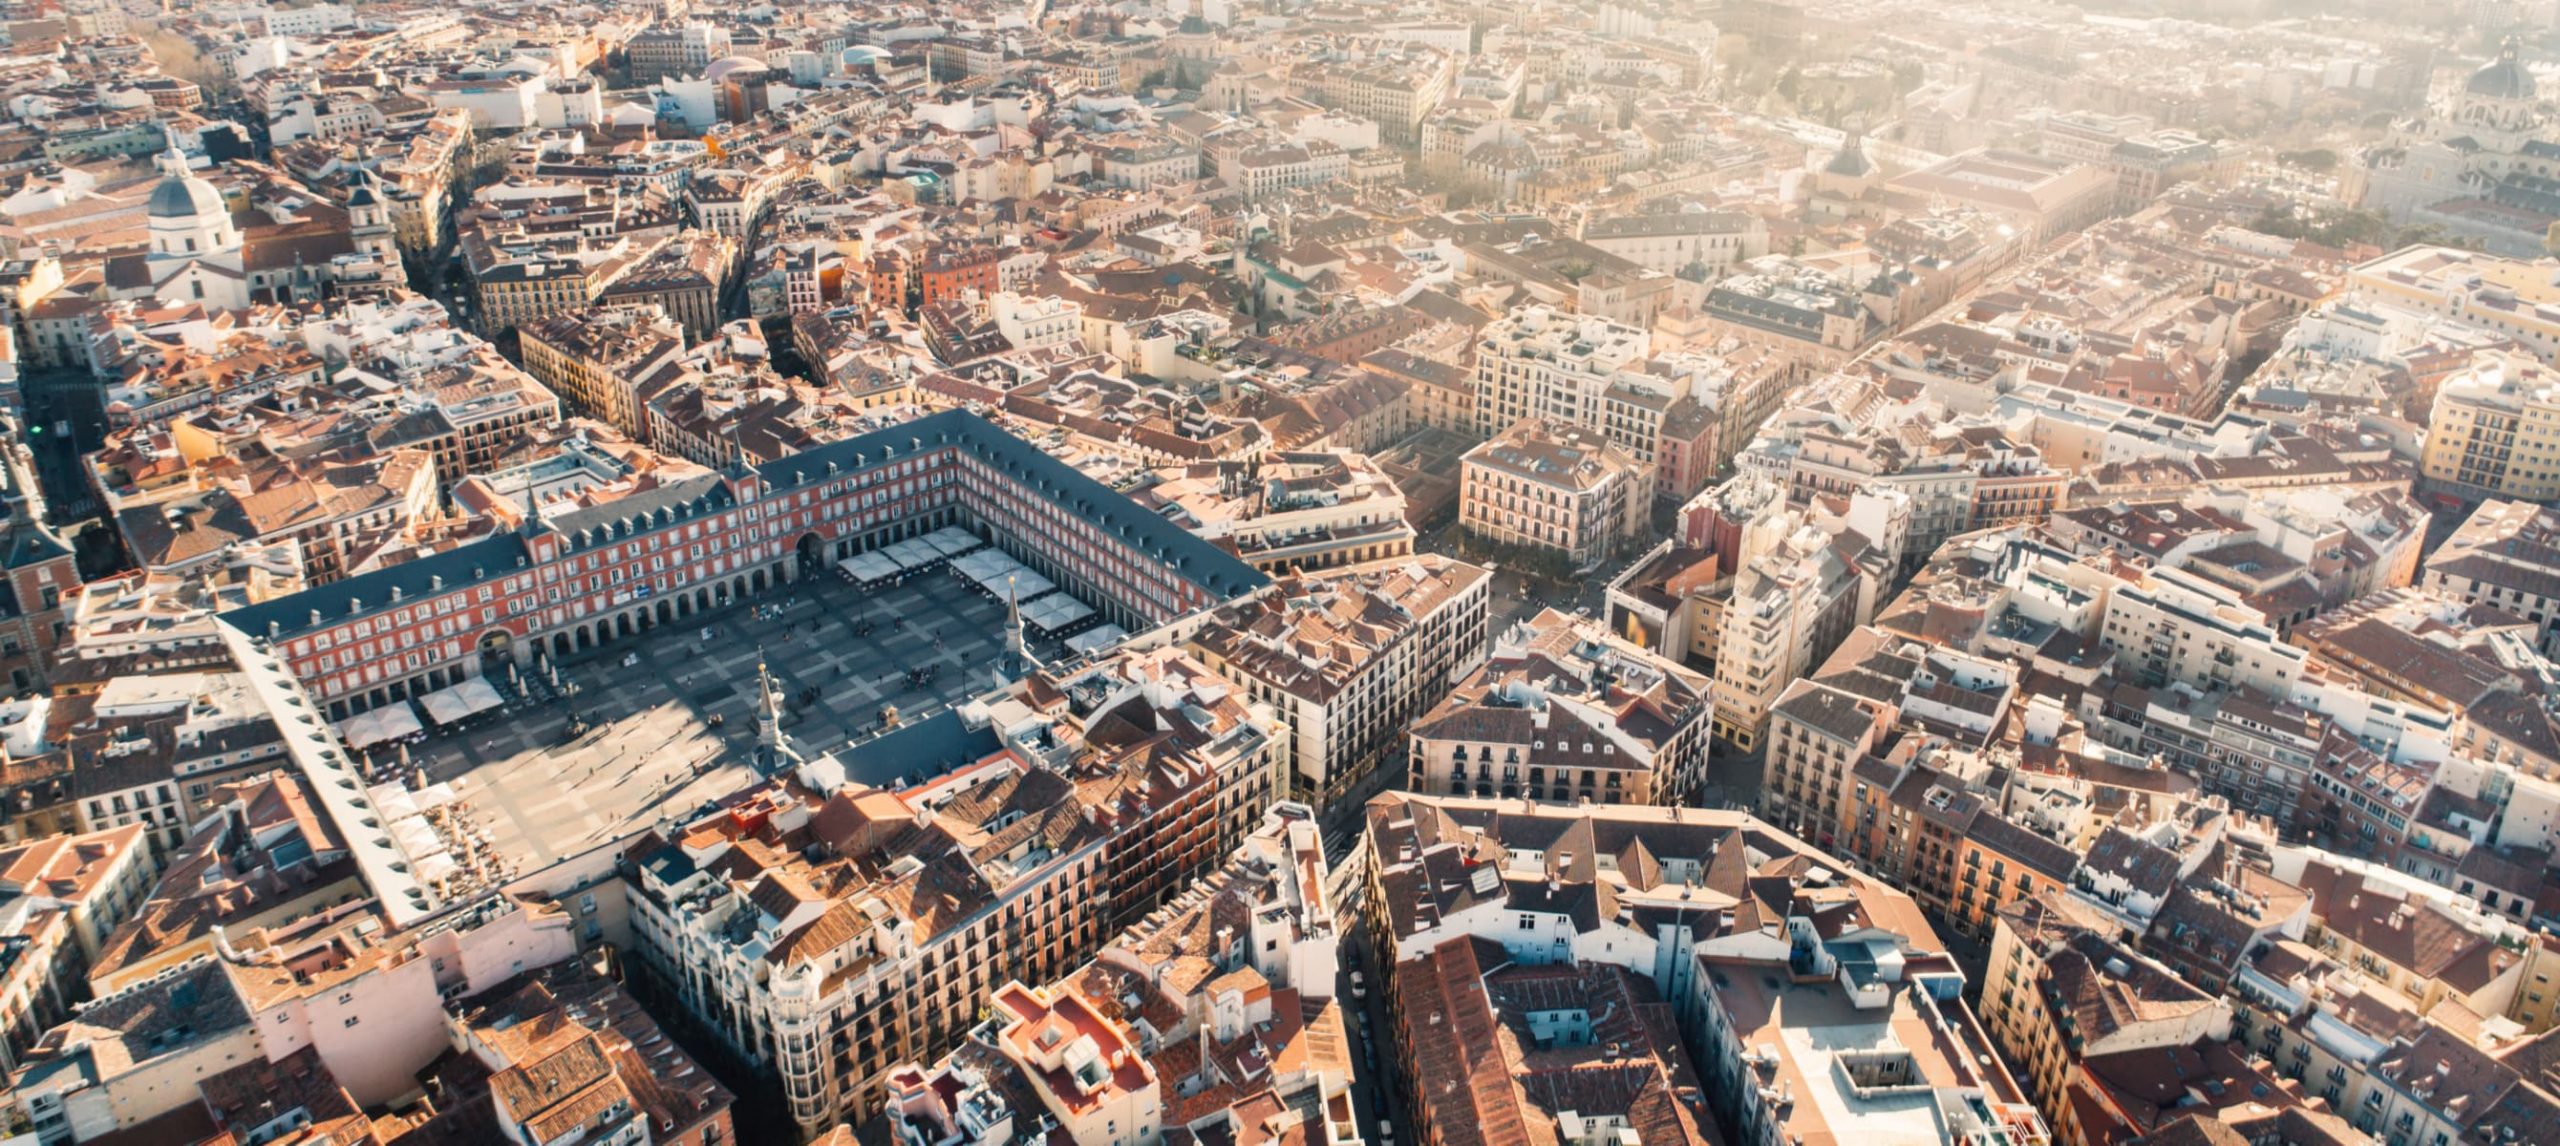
829, 938
2505, 556
2063, 997
1557, 488
1817, 734
1397, 91
2172, 626
1960, 478
1662, 907
60, 897
683, 279
840, 984
1349, 657
1797, 310
2509, 296
1565, 711
1792, 601
2494, 431
1297, 509
1682, 412
1209, 1016
1677, 241
676, 51
599, 359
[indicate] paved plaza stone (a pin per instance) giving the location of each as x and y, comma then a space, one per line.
651, 747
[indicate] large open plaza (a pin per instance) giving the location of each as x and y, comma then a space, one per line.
670, 714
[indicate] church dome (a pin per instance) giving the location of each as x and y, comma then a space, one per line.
2504, 78
185, 197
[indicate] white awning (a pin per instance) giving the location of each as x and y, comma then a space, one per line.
952, 541
1096, 640
985, 566
387, 723
912, 554
392, 802
474, 694
416, 836
478, 695
1054, 612
360, 730
443, 706
866, 568
1015, 583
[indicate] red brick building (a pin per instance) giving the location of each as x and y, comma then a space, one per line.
951, 271
577, 579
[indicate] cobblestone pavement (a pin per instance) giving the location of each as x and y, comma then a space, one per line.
651, 748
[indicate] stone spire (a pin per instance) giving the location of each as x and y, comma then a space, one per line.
1017, 653
768, 707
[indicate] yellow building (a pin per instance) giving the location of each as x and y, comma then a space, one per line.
2495, 431
2000, 863
514, 294
2059, 992
597, 358
2515, 297
2537, 997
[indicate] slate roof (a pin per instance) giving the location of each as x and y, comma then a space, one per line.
1215, 570
1219, 572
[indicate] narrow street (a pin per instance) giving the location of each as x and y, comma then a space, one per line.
1374, 1091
